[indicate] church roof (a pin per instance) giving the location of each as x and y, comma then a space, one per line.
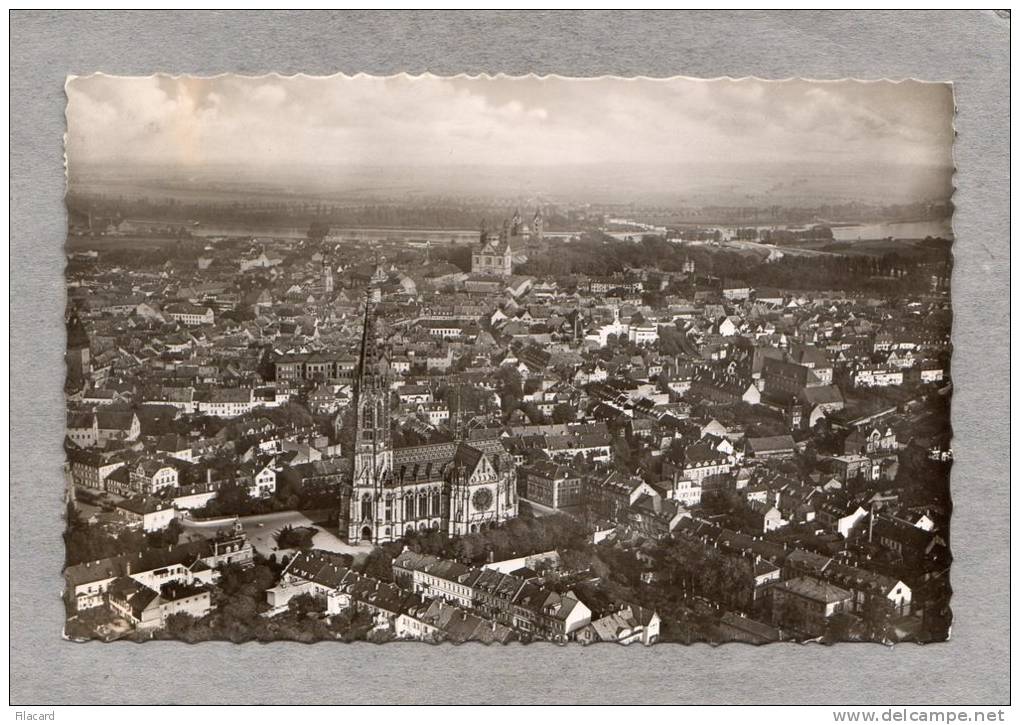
431, 462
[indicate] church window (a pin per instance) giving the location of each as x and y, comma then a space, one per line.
409, 507
389, 509
482, 499
436, 503
366, 507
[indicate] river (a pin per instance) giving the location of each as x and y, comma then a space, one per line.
896, 230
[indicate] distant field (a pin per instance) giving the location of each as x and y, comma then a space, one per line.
79, 244
347, 234
764, 251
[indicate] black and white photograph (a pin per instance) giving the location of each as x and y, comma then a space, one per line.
508, 359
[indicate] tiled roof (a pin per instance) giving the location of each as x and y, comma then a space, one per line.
819, 591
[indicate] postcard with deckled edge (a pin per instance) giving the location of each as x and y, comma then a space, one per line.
508, 359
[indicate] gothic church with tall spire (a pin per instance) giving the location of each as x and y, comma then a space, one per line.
457, 487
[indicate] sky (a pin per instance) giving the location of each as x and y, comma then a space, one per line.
783, 130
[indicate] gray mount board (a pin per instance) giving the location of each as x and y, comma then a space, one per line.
970, 48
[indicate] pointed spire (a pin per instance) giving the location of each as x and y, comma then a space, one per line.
368, 362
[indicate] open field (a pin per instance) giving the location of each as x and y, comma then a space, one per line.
110, 244
757, 250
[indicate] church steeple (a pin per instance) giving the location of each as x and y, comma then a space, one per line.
373, 450
327, 277
368, 357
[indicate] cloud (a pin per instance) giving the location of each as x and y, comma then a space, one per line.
269, 95
404, 121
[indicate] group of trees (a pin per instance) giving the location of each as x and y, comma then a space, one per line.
238, 619
290, 495
290, 537
758, 421
466, 399
596, 254
240, 600
518, 537
671, 341
282, 209
696, 570
90, 542
599, 255
789, 236
879, 274
738, 514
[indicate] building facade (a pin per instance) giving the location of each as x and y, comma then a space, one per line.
456, 487
493, 257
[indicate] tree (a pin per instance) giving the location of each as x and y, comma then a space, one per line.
838, 628
166, 537
84, 542
378, 564
877, 615
511, 388
534, 414
348, 428
318, 231
295, 538
179, 624
562, 413
231, 500
304, 604
290, 415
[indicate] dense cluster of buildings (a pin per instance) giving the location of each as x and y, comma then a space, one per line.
432, 599
416, 396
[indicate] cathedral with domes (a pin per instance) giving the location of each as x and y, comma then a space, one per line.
495, 255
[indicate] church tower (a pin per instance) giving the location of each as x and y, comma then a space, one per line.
536, 226
79, 366
373, 451
515, 224
327, 277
